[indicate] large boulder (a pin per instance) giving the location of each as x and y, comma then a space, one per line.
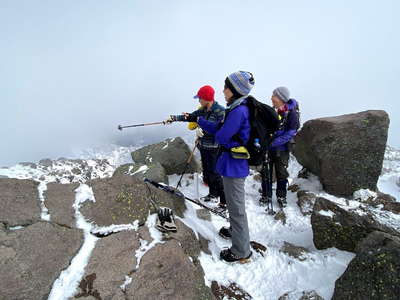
154, 171
112, 260
122, 199
32, 258
171, 270
19, 202
334, 226
346, 152
375, 271
59, 200
172, 154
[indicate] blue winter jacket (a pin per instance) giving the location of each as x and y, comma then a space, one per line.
235, 122
215, 115
288, 130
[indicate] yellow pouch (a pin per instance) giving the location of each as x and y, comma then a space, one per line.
192, 125
240, 153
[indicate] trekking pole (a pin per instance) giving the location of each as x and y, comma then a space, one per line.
187, 163
139, 125
171, 190
269, 172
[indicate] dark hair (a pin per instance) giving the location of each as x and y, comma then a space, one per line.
235, 93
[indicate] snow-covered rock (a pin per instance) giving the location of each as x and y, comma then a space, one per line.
154, 171
172, 154
343, 229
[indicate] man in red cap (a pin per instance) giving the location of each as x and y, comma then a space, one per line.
209, 148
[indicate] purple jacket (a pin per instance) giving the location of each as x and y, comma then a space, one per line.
288, 130
236, 122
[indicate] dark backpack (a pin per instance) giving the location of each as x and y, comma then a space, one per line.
264, 121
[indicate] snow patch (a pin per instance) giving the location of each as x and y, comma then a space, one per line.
326, 213
115, 228
44, 211
364, 194
65, 286
128, 280
142, 169
145, 246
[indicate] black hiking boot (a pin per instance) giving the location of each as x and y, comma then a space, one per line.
228, 256
225, 233
282, 202
209, 198
264, 200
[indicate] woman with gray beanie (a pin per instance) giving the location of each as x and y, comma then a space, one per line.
235, 126
287, 109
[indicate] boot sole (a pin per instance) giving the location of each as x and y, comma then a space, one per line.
244, 260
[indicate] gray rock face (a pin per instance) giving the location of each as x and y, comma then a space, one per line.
374, 272
346, 152
59, 199
31, 259
388, 202
172, 154
334, 226
233, 291
112, 259
154, 171
122, 199
166, 273
19, 204
305, 295
294, 251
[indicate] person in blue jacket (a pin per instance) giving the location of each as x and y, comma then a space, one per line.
234, 128
208, 146
287, 109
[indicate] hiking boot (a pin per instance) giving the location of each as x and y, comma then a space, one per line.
222, 205
228, 256
225, 232
209, 198
264, 200
282, 201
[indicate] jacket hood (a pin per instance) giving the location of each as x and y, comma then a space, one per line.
291, 104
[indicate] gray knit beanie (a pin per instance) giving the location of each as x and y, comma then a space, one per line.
242, 82
282, 93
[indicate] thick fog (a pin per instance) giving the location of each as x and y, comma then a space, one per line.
72, 71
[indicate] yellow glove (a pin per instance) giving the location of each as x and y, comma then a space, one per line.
193, 125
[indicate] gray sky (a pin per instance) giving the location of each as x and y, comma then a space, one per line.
71, 71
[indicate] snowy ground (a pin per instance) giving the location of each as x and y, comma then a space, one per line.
264, 277
275, 274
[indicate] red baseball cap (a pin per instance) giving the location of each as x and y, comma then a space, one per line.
206, 93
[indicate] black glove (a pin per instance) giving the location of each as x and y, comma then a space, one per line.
191, 118
164, 214
170, 119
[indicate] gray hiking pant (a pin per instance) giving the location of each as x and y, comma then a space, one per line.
234, 194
